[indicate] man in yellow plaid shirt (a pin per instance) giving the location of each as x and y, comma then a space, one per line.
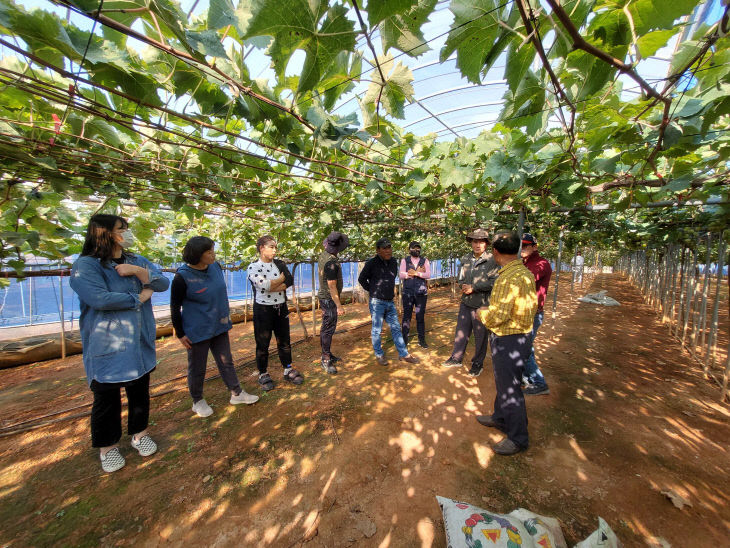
509, 320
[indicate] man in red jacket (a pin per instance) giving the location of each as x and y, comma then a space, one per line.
542, 271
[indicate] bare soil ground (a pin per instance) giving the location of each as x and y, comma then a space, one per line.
358, 458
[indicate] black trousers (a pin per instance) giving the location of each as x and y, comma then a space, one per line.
409, 303
509, 356
271, 319
329, 325
106, 412
220, 347
466, 322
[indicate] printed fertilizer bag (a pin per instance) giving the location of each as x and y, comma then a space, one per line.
469, 526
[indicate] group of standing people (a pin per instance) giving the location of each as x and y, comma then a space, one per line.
499, 304
118, 329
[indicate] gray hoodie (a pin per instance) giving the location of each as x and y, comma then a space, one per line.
481, 273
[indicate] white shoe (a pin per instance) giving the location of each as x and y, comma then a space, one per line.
244, 397
145, 445
202, 409
112, 460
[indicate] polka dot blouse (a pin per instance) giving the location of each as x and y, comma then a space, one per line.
260, 274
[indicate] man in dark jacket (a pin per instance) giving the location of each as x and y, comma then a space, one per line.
476, 278
378, 278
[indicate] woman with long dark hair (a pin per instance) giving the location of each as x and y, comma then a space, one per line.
117, 333
201, 318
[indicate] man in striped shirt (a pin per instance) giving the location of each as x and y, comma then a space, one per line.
509, 319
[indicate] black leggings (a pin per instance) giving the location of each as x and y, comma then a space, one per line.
106, 413
271, 319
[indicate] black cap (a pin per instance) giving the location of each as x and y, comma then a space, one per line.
413, 244
382, 243
528, 239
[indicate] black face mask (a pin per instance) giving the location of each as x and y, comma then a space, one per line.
415, 252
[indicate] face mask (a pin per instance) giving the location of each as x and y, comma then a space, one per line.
127, 239
415, 252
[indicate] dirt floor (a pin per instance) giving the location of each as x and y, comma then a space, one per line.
358, 458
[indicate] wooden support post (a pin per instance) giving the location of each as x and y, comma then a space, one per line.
699, 337
690, 282
245, 297
682, 295
572, 270
63, 321
314, 300
711, 351
557, 275
296, 301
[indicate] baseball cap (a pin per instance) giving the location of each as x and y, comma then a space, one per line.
529, 239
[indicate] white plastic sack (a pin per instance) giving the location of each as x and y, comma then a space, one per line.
469, 526
603, 537
599, 298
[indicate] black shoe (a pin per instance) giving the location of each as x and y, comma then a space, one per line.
293, 376
533, 390
487, 420
329, 366
451, 363
266, 382
475, 371
335, 359
422, 344
507, 447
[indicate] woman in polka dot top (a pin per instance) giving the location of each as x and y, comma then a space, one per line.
269, 278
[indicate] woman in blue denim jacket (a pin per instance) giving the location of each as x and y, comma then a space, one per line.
117, 333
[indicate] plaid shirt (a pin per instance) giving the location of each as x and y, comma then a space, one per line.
513, 303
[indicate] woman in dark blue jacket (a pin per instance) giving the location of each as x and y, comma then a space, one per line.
117, 333
201, 318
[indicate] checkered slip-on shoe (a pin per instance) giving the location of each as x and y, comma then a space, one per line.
112, 460
145, 446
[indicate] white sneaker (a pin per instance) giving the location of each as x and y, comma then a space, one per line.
202, 409
244, 397
112, 460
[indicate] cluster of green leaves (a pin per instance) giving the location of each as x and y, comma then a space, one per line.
180, 122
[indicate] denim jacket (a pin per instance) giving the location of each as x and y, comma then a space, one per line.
117, 331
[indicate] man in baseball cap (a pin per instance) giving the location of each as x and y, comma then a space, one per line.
542, 271
378, 278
